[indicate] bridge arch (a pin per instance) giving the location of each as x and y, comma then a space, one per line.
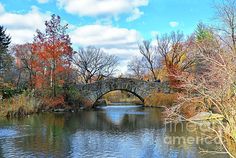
91, 92
135, 94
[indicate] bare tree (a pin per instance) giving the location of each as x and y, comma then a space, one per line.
170, 47
135, 66
163, 46
226, 14
150, 59
176, 53
214, 88
94, 64
24, 57
212, 83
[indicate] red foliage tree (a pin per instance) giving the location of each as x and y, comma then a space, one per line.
53, 52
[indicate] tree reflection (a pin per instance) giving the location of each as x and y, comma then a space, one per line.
140, 131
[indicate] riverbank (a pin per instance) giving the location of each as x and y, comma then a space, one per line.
26, 104
19, 106
160, 100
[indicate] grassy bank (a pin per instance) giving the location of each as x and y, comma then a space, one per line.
121, 97
18, 106
26, 104
134, 101
160, 100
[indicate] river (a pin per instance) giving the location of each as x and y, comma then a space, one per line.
111, 131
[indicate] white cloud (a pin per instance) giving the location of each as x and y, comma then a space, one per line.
104, 21
174, 24
105, 36
1, 8
43, 1
113, 40
122, 68
124, 56
103, 7
22, 27
136, 13
121, 42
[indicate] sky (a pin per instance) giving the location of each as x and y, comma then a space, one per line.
115, 26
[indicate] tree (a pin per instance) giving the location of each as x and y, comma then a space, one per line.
170, 47
203, 33
24, 62
135, 66
5, 57
52, 51
177, 56
226, 15
150, 58
214, 88
94, 64
204, 43
213, 85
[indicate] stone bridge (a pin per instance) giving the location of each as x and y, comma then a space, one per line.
90, 93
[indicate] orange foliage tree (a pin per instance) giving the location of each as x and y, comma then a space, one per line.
52, 50
176, 53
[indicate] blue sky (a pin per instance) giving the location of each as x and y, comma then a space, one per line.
116, 26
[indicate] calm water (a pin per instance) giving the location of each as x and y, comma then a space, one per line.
117, 131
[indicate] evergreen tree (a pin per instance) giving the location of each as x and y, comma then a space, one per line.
5, 57
203, 33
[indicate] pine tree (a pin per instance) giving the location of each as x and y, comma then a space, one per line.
203, 33
5, 58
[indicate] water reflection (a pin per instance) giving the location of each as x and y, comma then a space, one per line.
7, 133
116, 114
129, 131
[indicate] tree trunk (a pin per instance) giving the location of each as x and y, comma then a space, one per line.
18, 80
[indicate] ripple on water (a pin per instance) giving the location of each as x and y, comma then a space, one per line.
6, 132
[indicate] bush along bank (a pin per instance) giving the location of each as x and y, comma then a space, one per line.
28, 103
19, 106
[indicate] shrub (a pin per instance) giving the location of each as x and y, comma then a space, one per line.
53, 102
161, 99
20, 105
191, 108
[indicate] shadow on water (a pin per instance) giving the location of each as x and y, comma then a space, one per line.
111, 131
